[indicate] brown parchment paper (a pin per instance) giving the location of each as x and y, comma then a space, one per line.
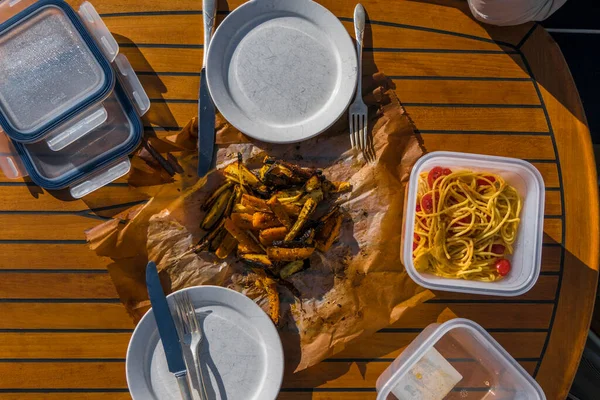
358, 287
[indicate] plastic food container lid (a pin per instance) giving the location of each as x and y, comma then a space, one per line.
456, 360
120, 134
50, 69
526, 259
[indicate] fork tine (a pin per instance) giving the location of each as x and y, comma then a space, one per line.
356, 129
352, 130
192, 314
351, 123
180, 314
363, 131
179, 320
191, 311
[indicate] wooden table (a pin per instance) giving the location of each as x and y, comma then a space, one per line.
501, 91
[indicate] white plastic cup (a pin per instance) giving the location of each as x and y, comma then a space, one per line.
486, 368
526, 259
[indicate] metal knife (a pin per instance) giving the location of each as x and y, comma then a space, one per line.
167, 330
206, 108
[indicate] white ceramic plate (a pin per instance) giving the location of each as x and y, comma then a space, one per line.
241, 353
281, 71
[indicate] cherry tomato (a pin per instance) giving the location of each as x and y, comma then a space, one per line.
427, 202
503, 266
484, 182
434, 174
466, 220
446, 171
498, 249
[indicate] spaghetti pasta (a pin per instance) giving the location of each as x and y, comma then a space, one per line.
466, 222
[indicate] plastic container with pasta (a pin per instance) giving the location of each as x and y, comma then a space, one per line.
527, 256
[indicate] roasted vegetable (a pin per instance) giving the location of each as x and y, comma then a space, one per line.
242, 249
268, 236
289, 195
316, 196
292, 244
261, 220
243, 221
208, 238
330, 231
263, 170
235, 198
239, 173
306, 240
291, 268
239, 208
242, 236
213, 197
255, 202
308, 208
216, 242
217, 210
293, 210
279, 211
306, 173
270, 287
257, 260
336, 187
266, 216
313, 183
226, 247
285, 254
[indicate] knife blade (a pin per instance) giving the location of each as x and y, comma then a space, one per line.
166, 329
206, 107
206, 128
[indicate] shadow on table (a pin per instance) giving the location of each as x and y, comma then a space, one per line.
158, 119
538, 56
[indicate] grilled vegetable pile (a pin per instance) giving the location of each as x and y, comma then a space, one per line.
270, 219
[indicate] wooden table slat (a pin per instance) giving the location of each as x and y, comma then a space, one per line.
57, 302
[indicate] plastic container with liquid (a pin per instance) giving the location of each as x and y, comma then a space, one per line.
456, 360
526, 259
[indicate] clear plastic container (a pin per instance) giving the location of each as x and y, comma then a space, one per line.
94, 160
456, 360
51, 67
527, 256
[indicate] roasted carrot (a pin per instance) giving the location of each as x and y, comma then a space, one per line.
242, 220
286, 254
242, 236
268, 236
261, 220
279, 211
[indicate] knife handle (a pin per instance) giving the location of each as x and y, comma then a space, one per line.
209, 11
184, 388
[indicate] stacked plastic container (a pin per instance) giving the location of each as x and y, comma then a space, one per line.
70, 105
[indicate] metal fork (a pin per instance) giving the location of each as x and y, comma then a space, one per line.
191, 335
358, 109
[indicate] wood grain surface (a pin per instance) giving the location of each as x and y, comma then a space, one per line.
468, 87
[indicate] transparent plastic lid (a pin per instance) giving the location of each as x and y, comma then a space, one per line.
50, 69
456, 360
116, 137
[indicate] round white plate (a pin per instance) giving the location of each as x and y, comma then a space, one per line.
241, 353
281, 71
